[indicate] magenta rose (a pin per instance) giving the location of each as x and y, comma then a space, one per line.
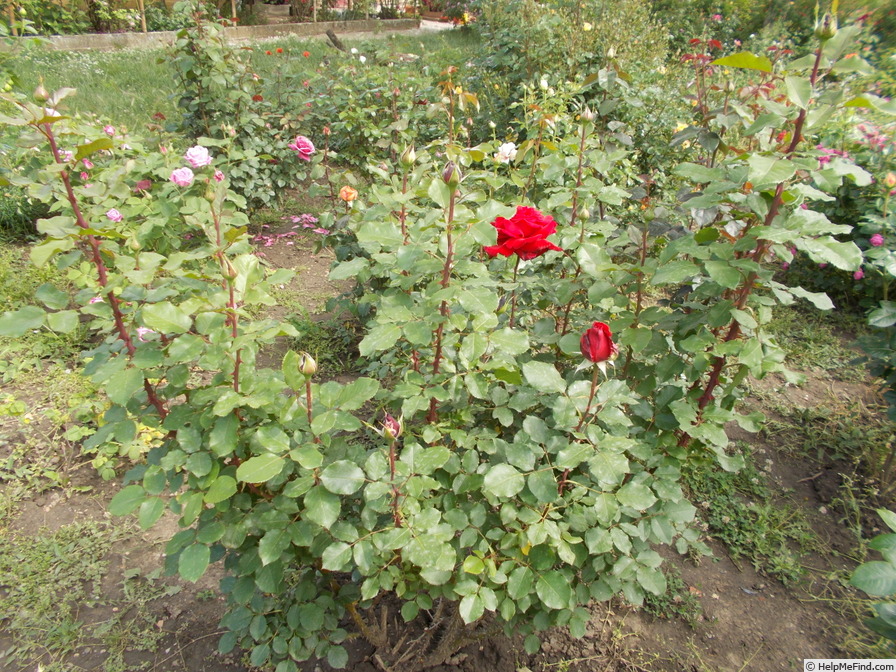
198, 156
303, 147
597, 343
525, 234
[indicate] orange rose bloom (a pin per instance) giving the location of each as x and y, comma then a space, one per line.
348, 194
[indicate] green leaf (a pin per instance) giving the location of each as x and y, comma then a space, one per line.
473, 565
51, 297
888, 517
272, 545
845, 256
223, 488
380, 337
554, 590
166, 318
766, 171
337, 657
342, 477
322, 506
745, 59
818, 299
723, 273
63, 322
123, 385
636, 496
193, 562
544, 377
652, 580
349, 269
503, 480
259, 469
127, 500
673, 273
150, 511
18, 322
471, 608
93, 147
875, 578
799, 91
509, 342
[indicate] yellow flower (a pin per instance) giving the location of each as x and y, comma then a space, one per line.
587, 27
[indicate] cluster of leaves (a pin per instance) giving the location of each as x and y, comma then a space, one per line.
223, 104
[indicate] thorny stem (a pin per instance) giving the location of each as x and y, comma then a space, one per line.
327, 169
535, 152
396, 494
516, 267
564, 479
746, 288
308, 404
575, 193
433, 415
402, 216
102, 273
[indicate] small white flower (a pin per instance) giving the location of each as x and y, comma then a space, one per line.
363, 59
354, 51
506, 153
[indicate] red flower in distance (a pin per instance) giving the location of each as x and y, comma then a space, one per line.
306, 54
257, 97
279, 50
525, 234
268, 53
597, 343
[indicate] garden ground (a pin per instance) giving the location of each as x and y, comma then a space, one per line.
82, 591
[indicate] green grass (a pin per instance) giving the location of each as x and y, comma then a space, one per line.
126, 87
817, 340
677, 602
739, 511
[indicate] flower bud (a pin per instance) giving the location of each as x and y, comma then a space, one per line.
451, 175
307, 365
41, 95
348, 194
890, 180
134, 244
826, 28
392, 427
587, 114
229, 270
584, 214
408, 157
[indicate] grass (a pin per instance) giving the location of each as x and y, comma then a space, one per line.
821, 341
126, 87
332, 343
677, 602
740, 511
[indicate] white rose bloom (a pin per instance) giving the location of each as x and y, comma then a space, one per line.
506, 153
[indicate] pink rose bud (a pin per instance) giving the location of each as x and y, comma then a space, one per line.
114, 215
859, 274
88, 164
84, 175
198, 157
109, 130
877, 240
182, 177
219, 176
890, 180
392, 427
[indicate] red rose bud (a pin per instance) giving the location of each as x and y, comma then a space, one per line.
525, 234
391, 427
597, 343
451, 175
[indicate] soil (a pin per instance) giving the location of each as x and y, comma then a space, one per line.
748, 622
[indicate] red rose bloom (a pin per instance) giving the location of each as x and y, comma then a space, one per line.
306, 54
257, 97
597, 343
279, 50
525, 234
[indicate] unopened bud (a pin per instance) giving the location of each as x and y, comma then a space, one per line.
584, 214
826, 28
543, 84
229, 270
408, 157
134, 244
611, 52
41, 95
307, 365
587, 114
451, 175
392, 427
890, 180
503, 303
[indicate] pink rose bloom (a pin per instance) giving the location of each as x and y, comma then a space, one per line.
182, 177
219, 176
84, 176
716, 17
109, 130
96, 299
303, 146
859, 274
65, 155
114, 215
877, 240
198, 157
88, 164
322, 232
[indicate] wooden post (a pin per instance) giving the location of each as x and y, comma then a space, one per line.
232, 9
314, 11
12, 20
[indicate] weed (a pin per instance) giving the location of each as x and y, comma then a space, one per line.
677, 602
821, 341
740, 512
332, 343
